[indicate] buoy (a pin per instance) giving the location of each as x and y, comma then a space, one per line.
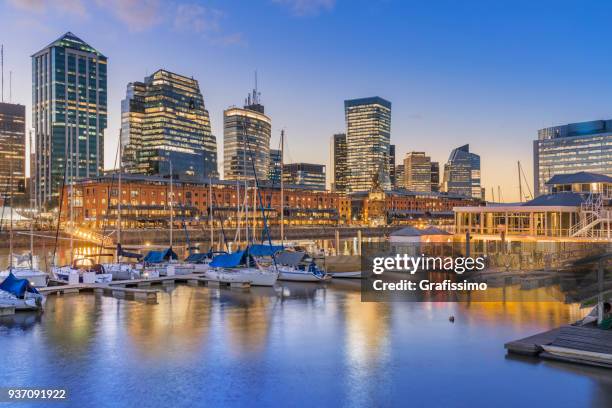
451, 319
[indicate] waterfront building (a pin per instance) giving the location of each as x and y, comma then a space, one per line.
392, 172
462, 173
435, 177
246, 141
417, 172
69, 113
307, 175
399, 177
166, 127
368, 135
274, 172
579, 207
145, 203
12, 152
571, 148
338, 163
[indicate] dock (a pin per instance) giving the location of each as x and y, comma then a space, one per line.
532, 345
137, 289
7, 310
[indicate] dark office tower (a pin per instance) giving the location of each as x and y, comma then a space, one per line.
69, 86
368, 135
435, 176
462, 173
166, 127
12, 151
246, 141
338, 163
274, 172
399, 176
392, 174
311, 176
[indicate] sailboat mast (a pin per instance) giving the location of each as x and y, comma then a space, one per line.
71, 133
11, 210
282, 184
520, 182
120, 194
210, 213
32, 204
171, 206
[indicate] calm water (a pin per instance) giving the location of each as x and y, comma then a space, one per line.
300, 345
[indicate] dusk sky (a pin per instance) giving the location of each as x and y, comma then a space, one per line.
487, 73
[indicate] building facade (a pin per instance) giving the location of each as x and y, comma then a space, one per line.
12, 152
166, 128
69, 113
399, 177
368, 136
435, 176
392, 171
417, 172
306, 175
462, 173
338, 163
571, 148
275, 170
246, 141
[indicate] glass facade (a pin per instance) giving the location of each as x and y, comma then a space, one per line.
417, 172
12, 150
246, 143
435, 176
338, 162
165, 123
274, 172
571, 148
69, 113
368, 124
399, 176
305, 174
462, 173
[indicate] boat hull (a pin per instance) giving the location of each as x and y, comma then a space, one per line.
301, 276
255, 277
346, 275
38, 279
31, 302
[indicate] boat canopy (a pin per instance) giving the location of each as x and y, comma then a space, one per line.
264, 250
198, 258
160, 256
124, 253
16, 286
230, 260
290, 258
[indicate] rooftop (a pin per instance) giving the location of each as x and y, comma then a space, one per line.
582, 177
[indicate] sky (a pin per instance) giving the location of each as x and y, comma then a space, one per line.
487, 73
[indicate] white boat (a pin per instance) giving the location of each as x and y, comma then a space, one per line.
289, 273
346, 275
121, 271
82, 270
240, 266
298, 266
20, 294
37, 278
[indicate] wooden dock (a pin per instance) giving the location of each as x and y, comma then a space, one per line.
138, 289
532, 345
7, 310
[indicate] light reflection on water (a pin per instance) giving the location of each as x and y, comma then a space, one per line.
299, 344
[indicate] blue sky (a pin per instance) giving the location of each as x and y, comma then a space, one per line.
487, 73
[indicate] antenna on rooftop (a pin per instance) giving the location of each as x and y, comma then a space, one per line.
2, 68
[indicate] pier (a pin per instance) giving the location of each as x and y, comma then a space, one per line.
137, 289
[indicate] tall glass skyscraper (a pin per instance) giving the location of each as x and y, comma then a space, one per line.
68, 113
165, 123
571, 148
12, 150
274, 171
368, 136
417, 172
305, 174
338, 163
462, 173
246, 141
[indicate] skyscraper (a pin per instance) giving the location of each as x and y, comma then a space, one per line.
338, 163
417, 172
435, 176
12, 151
305, 174
69, 86
246, 141
392, 174
462, 173
399, 176
165, 123
274, 172
571, 148
368, 125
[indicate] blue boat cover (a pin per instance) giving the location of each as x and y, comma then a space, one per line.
229, 260
160, 256
16, 286
198, 258
264, 250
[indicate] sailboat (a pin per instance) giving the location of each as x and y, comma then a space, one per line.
299, 267
20, 294
241, 266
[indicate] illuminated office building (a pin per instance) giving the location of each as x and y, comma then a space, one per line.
392, 173
435, 176
572, 148
69, 109
12, 150
274, 172
246, 141
399, 176
307, 175
462, 173
166, 128
338, 162
368, 135
417, 172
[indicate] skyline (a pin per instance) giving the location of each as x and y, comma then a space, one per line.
447, 90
